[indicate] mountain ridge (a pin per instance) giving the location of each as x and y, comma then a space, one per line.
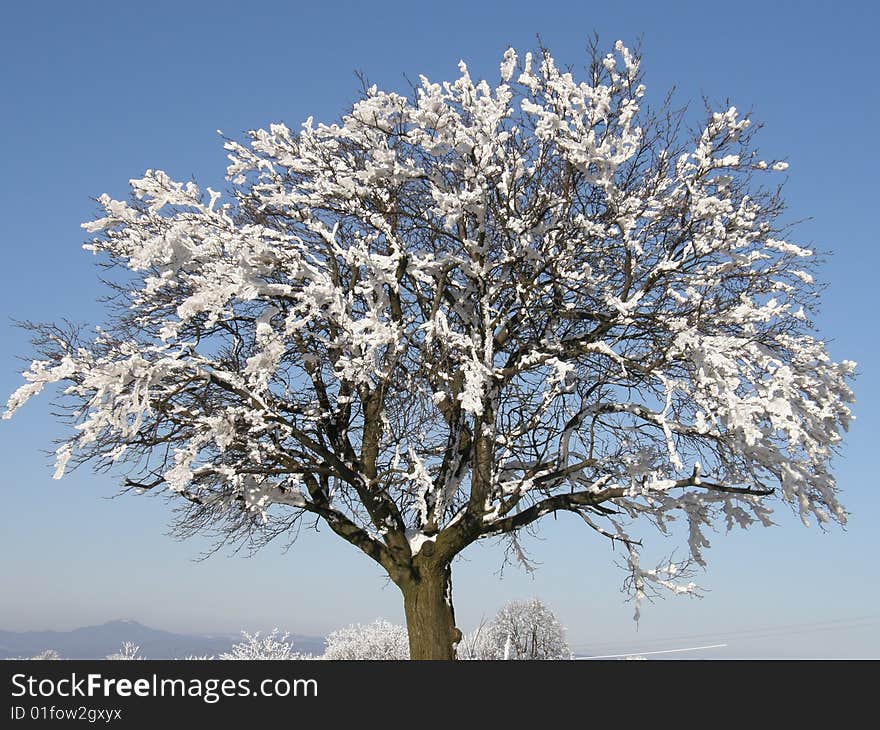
96, 642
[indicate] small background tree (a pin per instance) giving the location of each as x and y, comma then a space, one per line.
273, 645
47, 655
380, 640
521, 630
128, 651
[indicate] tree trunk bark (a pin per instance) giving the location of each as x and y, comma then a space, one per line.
430, 618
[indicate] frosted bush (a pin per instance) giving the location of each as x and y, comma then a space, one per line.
254, 646
378, 640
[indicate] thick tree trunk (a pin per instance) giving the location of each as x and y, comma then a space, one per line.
430, 618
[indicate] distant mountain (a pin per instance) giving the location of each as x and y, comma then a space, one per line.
96, 642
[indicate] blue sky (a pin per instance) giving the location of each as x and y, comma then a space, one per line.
95, 93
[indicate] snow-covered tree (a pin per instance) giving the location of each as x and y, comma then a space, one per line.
129, 651
271, 646
521, 630
450, 314
47, 655
379, 640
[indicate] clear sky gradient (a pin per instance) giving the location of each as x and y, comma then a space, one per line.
94, 93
